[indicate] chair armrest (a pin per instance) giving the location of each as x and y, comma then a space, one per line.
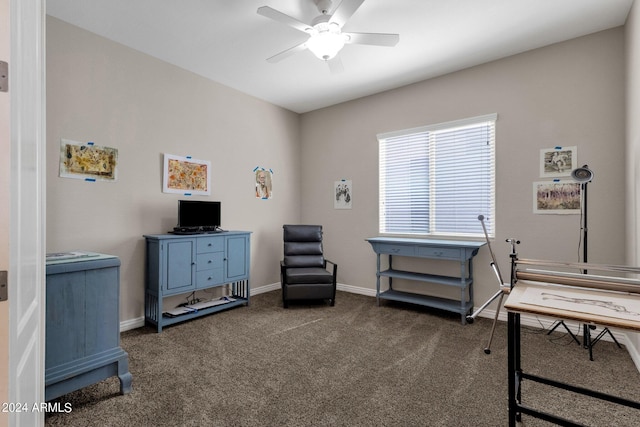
283, 267
335, 266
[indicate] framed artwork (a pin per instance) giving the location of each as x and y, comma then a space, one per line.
558, 161
557, 197
88, 161
263, 183
185, 175
343, 192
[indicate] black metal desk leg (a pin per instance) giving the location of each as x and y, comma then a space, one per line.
513, 362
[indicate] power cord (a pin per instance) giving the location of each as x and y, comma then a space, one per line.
191, 299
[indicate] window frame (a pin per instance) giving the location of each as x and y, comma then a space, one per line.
429, 132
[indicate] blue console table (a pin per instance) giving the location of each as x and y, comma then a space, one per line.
82, 344
446, 250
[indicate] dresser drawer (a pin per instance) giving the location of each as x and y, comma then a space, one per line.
210, 244
386, 248
446, 253
208, 261
208, 278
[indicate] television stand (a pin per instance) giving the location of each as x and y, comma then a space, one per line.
182, 264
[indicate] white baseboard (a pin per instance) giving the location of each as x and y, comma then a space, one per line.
356, 290
265, 288
525, 319
127, 325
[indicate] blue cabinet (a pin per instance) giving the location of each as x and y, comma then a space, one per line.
82, 338
178, 264
237, 257
177, 258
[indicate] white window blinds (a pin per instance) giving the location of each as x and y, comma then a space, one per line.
437, 180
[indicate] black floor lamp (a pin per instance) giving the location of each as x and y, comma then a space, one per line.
584, 176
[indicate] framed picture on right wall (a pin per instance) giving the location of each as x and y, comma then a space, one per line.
557, 197
558, 161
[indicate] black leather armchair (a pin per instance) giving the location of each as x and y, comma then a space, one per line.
303, 271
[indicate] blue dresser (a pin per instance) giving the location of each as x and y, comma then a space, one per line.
182, 264
82, 344
445, 250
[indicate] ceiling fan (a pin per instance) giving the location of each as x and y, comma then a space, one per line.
326, 37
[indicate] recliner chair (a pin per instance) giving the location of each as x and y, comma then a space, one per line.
303, 271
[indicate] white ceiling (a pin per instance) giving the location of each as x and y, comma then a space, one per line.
228, 42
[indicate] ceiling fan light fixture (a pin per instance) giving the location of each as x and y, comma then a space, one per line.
324, 33
326, 41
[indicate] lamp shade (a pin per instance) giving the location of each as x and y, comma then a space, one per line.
583, 174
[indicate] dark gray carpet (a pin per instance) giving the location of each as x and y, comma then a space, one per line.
355, 364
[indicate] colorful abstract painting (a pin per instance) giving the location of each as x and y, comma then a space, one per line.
88, 161
185, 175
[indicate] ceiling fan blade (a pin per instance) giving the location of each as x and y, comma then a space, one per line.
287, 53
283, 18
376, 39
335, 65
344, 11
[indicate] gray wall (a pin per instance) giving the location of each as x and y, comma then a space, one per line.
571, 93
567, 94
103, 92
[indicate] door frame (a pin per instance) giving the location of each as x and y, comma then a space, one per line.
27, 218
5, 167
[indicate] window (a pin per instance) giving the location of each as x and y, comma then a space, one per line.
436, 180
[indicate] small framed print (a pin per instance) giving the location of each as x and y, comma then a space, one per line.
185, 175
558, 161
264, 183
343, 192
557, 197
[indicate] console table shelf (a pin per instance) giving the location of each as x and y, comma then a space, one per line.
426, 300
446, 250
424, 277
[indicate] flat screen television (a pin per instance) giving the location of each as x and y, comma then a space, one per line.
200, 214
